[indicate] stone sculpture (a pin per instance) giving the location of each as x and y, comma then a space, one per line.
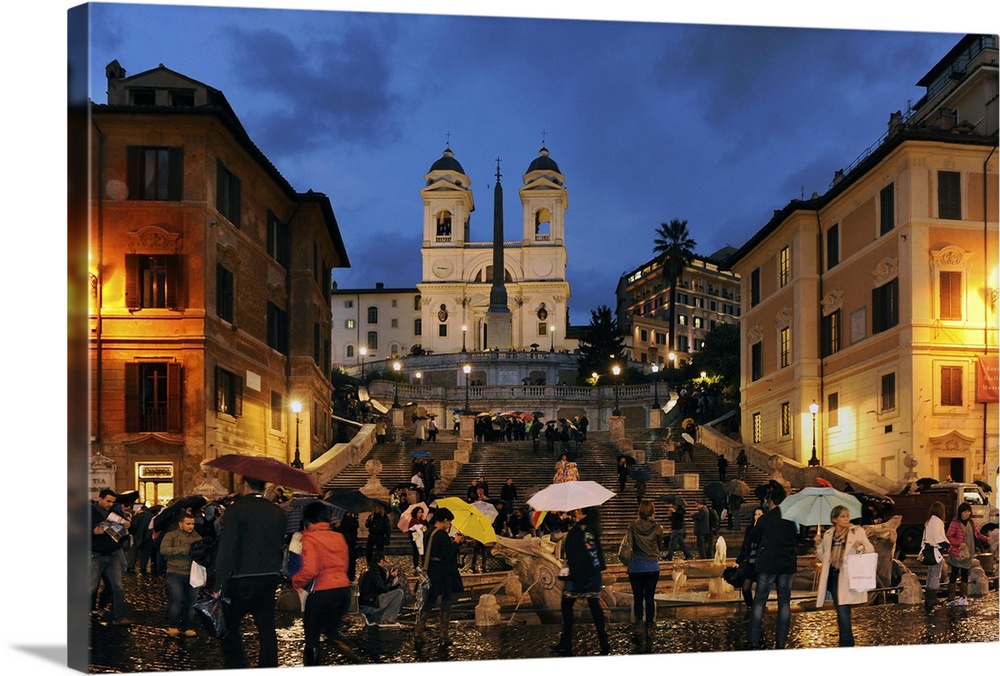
487, 611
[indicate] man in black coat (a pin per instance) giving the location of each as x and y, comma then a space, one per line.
109, 531
248, 570
777, 563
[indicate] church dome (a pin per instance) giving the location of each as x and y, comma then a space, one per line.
447, 162
543, 162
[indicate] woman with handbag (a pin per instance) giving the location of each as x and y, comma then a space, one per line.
832, 549
441, 565
934, 537
644, 564
585, 561
962, 535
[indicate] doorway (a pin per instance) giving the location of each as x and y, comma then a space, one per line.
953, 467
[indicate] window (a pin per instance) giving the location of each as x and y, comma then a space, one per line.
394, 323
888, 392
756, 361
442, 330
682, 298
418, 327
951, 385
699, 322
152, 281
223, 293
699, 344
326, 356
784, 266
348, 323
829, 339
372, 341
317, 343
394, 302
153, 397
833, 246
682, 343
154, 173
887, 209
786, 346
373, 315
661, 338
349, 352
228, 392
682, 320
950, 295
755, 287
757, 433
277, 411
885, 306
182, 98
277, 328
643, 335
543, 329
227, 194
416, 303
279, 240
143, 97
786, 419
833, 410
949, 195
348, 303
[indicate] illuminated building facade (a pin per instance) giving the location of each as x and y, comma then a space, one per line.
210, 299
877, 301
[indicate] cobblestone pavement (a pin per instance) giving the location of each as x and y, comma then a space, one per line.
145, 646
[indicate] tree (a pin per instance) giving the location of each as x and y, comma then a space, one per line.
720, 357
601, 345
675, 247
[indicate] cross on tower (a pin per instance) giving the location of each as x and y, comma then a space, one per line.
543, 136
447, 143
498, 169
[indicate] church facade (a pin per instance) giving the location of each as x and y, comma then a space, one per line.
447, 311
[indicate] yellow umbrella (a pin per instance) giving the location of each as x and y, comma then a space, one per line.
469, 520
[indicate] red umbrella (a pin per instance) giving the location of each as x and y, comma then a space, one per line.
266, 469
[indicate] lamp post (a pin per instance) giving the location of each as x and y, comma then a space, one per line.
467, 369
672, 357
363, 351
617, 371
552, 339
296, 409
464, 329
814, 409
656, 387
395, 400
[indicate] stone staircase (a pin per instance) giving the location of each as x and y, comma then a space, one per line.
597, 462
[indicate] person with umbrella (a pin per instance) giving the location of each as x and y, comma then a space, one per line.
248, 570
585, 561
776, 539
441, 564
831, 549
324, 575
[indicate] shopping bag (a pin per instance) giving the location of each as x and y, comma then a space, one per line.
199, 575
861, 571
211, 611
625, 548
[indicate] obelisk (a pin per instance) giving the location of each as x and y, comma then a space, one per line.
498, 318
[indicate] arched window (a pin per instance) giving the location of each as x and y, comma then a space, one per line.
373, 315
372, 340
350, 352
444, 224
486, 275
543, 225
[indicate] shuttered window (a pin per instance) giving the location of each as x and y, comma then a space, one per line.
950, 295
153, 397
228, 392
152, 281
155, 173
227, 194
951, 385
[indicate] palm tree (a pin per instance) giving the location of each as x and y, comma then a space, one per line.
675, 247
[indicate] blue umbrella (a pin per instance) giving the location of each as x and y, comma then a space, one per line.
420, 454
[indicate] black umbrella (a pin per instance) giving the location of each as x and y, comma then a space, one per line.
640, 473
538, 414
354, 501
985, 486
924, 483
127, 499
293, 512
629, 460
674, 500
715, 491
169, 514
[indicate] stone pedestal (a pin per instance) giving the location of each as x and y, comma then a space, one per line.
467, 427
655, 418
396, 417
463, 451
691, 481
664, 467
616, 428
374, 487
449, 469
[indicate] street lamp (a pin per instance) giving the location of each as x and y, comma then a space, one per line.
672, 357
395, 400
656, 387
552, 335
464, 329
617, 371
814, 409
363, 351
467, 369
296, 409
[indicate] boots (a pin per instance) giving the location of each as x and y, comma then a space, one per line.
963, 590
444, 630
418, 628
951, 592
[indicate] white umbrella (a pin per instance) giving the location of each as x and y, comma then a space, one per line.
812, 506
570, 495
487, 508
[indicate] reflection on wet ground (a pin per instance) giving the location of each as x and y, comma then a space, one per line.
145, 646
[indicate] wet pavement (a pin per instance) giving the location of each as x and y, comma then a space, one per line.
145, 646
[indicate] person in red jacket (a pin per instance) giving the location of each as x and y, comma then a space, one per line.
324, 575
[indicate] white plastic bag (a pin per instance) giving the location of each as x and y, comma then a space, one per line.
198, 575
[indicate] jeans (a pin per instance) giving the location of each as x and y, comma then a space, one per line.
111, 567
765, 581
254, 596
389, 605
843, 611
934, 576
677, 542
180, 599
643, 594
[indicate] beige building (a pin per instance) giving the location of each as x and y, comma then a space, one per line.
209, 304
446, 312
707, 295
877, 301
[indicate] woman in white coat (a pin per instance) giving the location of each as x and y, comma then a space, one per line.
841, 539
